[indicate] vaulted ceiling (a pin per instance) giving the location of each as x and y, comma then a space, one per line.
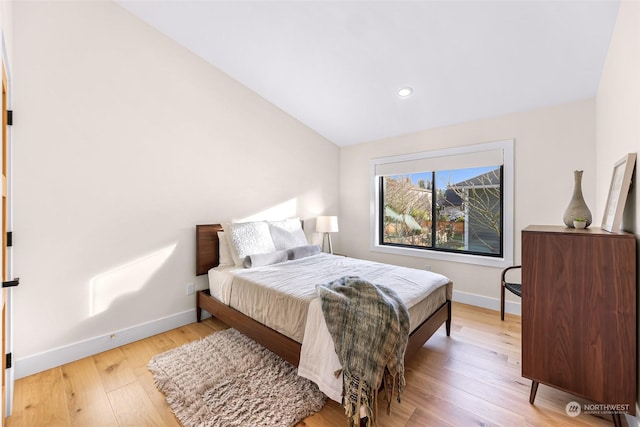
337, 66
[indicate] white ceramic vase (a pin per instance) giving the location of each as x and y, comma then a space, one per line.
577, 207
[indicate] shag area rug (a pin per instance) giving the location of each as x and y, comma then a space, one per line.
226, 379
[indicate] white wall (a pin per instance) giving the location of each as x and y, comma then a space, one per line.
618, 113
618, 105
550, 143
124, 141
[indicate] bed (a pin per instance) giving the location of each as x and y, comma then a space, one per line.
296, 338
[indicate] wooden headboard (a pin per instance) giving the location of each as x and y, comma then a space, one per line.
207, 255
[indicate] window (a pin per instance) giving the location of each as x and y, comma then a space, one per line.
453, 204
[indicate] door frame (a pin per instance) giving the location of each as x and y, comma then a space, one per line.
9, 373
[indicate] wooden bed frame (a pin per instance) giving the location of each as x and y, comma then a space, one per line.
207, 257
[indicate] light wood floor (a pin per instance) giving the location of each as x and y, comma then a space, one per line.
469, 379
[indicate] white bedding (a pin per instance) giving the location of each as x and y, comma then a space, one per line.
283, 296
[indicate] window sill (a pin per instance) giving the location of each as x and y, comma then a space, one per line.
444, 256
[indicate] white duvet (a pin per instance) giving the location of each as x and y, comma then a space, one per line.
283, 297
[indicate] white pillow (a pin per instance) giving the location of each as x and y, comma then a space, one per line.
287, 234
226, 227
248, 238
224, 251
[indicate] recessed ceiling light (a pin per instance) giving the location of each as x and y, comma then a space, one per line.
404, 92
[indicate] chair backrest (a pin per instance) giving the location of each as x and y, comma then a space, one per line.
512, 275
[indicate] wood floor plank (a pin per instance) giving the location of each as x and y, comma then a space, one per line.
113, 367
159, 401
423, 385
438, 412
162, 342
132, 406
138, 355
399, 415
86, 397
39, 400
182, 335
501, 390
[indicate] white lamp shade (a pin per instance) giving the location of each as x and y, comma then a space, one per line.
327, 224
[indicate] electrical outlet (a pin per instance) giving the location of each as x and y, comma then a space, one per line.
427, 267
191, 289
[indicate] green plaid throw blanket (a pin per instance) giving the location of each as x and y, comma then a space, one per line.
369, 325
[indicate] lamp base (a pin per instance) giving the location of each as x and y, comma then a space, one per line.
327, 236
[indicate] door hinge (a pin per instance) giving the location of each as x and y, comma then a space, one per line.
11, 283
9, 239
9, 360
10, 117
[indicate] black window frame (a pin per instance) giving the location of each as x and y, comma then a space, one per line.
434, 222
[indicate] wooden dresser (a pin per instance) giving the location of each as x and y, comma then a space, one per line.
579, 313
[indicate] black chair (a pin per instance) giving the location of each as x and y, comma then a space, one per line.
515, 288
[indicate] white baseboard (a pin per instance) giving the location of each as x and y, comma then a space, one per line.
59, 356
487, 302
